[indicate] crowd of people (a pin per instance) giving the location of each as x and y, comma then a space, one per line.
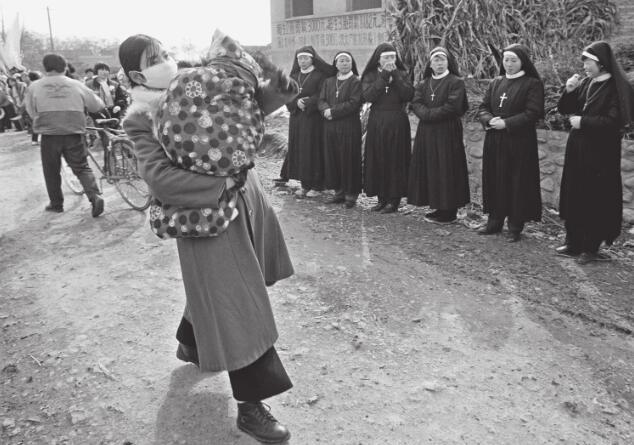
14, 84
324, 140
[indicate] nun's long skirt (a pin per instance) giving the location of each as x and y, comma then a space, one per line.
225, 283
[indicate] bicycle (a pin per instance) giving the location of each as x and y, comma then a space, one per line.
119, 165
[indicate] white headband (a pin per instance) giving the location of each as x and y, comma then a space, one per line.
590, 56
305, 54
343, 54
510, 52
437, 52
388, 53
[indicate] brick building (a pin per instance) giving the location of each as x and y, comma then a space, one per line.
328, 25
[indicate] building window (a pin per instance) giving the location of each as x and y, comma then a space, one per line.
298, 8
356, 5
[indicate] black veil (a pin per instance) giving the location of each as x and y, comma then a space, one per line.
452, 64
354, 63
603, 52
524, 55
319, 63
373, 62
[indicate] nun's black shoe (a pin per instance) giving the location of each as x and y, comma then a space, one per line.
432, 215
566, 250
379, 206
255, 419
489, 230
514, 237
349, 204
336, 200
187, 354
389, 208
590, 257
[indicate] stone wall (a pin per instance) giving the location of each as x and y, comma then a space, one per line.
552, 145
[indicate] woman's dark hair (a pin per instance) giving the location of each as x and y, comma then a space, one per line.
54, 62
131, 50
34, 75
100, 66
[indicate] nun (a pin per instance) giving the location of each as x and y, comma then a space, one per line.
305, 156
339, 102
388, 143
600, 106
512, 105
438, 175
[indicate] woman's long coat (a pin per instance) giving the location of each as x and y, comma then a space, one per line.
225, 277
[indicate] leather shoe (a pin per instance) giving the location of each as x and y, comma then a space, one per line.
187, 354
336, 200
566, 250
489, 230
590, 257
54, 208
514, 237
379, 206
97, 206
255, 419
389, 208
349, 204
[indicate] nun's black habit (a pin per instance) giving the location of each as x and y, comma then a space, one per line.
591, 196
305, 157
438, 174
510, 164
388, 141
342, 134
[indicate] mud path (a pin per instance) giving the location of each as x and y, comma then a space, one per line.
393, 330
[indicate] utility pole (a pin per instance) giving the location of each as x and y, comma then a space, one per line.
50, 29
4, 35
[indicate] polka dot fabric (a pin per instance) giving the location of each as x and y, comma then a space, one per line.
209, 122
173, 222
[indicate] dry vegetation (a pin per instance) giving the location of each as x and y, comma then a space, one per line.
554, 30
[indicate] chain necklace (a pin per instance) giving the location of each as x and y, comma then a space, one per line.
433, 90
301, 83
590, 97
338, 86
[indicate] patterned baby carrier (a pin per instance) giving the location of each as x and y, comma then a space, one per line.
209, 120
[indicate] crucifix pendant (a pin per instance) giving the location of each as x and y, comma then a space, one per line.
503, 97
300, 89
337, 94
432, 96
386, 89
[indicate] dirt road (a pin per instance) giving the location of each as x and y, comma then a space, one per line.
394, 330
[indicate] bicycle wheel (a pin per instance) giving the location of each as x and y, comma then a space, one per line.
129, 184
71, 181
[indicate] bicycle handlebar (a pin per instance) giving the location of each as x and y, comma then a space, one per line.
109, 121
112, 131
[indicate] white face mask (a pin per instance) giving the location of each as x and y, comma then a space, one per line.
159, 75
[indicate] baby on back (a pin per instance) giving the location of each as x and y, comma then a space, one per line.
211, 118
